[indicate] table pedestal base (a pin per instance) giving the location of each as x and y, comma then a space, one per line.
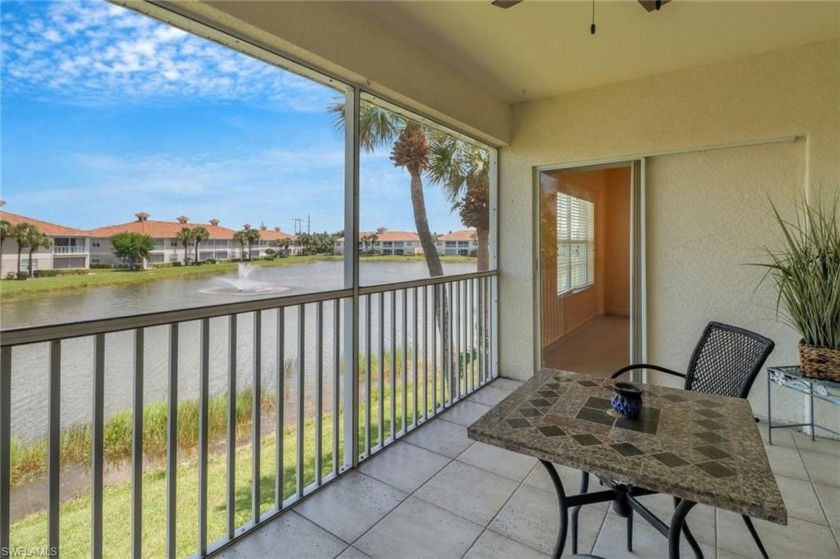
626, 496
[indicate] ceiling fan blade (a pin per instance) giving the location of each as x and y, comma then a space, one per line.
505, 4
653, 5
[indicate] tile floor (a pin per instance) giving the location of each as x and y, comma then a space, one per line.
437, 494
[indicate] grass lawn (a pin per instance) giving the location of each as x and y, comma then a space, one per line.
13, 290
75, 515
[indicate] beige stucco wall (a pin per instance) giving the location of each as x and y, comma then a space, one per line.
690, 211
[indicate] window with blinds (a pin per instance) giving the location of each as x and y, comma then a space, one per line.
575, 243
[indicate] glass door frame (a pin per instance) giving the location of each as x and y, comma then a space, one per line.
638, 255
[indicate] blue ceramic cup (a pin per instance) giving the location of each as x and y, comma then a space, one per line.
627, 399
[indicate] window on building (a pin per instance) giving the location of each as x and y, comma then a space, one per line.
575, 243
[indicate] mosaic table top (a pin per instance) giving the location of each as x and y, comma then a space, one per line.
701, 447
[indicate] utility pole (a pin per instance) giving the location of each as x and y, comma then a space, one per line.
297, 221
309, 223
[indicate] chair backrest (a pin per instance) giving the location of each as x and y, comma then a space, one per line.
726, 360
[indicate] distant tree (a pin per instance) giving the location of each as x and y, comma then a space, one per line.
199, 234
305, 242
251, 236
37, 241
242, 238
368, 241
23, 234
284, 245
6, 229
323, 243
132, 247
185, 235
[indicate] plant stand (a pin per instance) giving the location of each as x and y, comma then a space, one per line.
792, 378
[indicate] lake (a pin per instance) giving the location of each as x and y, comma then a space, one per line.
30, 363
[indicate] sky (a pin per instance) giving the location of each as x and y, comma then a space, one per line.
107, 113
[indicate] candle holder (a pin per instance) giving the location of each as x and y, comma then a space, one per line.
626, 399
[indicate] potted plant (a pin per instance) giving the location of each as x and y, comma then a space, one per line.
806, 271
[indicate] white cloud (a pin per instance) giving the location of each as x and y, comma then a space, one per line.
107, 55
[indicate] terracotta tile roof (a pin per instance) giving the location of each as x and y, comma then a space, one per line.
43, 226
160, 229
390, 236
465, 235
272, 235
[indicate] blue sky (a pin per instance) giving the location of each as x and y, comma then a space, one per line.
106, 113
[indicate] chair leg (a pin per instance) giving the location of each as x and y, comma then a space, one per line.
754, 534
584, 487
630, 531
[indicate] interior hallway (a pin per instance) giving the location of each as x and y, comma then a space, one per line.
599, 347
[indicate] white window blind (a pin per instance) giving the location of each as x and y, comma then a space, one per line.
575, 243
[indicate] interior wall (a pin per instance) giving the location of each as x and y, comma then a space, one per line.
617, 249
562, 314
788, 92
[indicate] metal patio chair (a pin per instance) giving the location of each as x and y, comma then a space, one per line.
725, 361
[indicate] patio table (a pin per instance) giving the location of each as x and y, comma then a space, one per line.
700, 448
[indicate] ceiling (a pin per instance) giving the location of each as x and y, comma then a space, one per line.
543, 48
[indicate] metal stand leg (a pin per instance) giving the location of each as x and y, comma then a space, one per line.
677, 522
769, 414
811, 391
564, 515
630, 531
584, 487
754, 534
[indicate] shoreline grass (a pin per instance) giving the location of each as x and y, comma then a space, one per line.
74, 533
14, 290
29, 461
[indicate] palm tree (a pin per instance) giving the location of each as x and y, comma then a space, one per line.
199, 234
411, 149
5, 233
284, 244
304, 241
185, 235
37, 241
241, 237
23, 234
251, 237
379, 127
462, 170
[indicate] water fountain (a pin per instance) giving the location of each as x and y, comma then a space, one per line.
244, 285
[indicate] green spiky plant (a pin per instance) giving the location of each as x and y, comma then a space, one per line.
806, 272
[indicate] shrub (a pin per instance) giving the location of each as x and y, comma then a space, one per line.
100, 266
54, 273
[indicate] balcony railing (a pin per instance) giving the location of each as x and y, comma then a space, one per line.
70, 250
306, 386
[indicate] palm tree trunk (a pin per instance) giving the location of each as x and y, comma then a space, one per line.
442, 312
196, 252
20, 250
185, 254
418, 203
29, 269
482, 237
